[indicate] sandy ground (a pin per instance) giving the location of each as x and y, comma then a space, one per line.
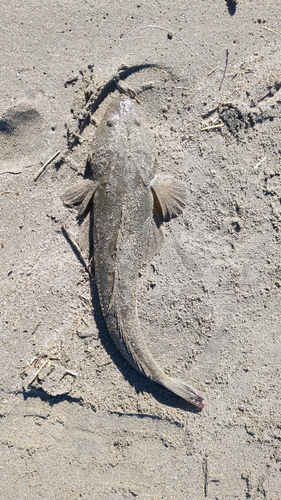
75, 420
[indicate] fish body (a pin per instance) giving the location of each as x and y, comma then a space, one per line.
129, 205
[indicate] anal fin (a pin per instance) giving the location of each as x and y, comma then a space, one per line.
155, 239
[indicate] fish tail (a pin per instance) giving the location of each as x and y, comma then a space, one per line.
135, 351
183, 390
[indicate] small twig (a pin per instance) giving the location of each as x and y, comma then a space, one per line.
209, 113
206, 476
46, 362
86, 302
76, 327
33, 360
46, 164
77, 249
37, 326
68, 372
211, 72
211, 127
225, 68
38, 359
242, 68
259, 163
269, 29
104, 364
84, 321
10, 192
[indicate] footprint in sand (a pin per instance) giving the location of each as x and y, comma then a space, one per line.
20, 138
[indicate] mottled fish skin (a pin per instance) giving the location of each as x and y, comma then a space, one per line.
129, 204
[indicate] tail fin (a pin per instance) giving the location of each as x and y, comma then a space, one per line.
183, 390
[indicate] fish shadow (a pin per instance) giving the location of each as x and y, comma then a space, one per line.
39, 393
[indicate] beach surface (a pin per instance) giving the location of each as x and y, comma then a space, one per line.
76, 421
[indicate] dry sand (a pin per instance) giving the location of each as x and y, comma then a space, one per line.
75, 420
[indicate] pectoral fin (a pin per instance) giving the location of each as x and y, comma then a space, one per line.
170, 194
81, 194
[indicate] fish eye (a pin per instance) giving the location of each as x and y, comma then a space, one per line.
109, 123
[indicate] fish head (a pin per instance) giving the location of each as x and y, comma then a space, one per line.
121, 113
123, 145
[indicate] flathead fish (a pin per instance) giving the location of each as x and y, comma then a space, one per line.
130, 202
